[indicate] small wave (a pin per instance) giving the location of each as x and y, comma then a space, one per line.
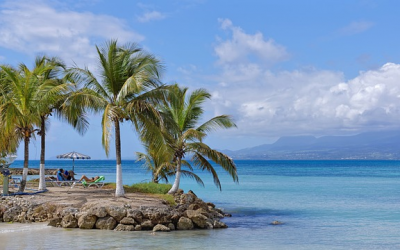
14, 228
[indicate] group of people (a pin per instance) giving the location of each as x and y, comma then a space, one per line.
70, 176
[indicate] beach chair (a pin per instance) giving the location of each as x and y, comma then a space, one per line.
99, 183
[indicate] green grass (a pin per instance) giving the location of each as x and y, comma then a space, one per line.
152, 189
149, 188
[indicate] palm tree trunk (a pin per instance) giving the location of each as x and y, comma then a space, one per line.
175, 187
26, 159
119, 191
42, 181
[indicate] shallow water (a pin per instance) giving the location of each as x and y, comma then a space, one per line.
323, 205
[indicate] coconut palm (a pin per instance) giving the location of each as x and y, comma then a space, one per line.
124, 90
159, 163
53, 91
19, 112
181, 113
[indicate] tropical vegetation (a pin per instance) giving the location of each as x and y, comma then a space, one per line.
126, 87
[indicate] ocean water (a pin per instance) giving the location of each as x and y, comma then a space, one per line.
322, 205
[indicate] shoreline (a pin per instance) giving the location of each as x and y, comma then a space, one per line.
88, 208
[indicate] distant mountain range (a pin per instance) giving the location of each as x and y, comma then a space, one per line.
370, 145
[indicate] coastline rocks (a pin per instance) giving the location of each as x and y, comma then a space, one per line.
189, 213
185, 224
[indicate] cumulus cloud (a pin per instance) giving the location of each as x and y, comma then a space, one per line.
356, 27
306, 101
242, 47
150, 16
33, 27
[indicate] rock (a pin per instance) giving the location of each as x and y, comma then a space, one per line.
138, 228
160, 227
157, 215
69, 210
69, 221
147, 225
219, 224
197, 218
12, 214
106, 223
87, 221
98, 211
135, 214
171, 226
185, 224
128, 221
56, 222
187, 199
122, 227
276, 222
116, 212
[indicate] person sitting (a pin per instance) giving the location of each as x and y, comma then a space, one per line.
93, 179
70, 175
61, 175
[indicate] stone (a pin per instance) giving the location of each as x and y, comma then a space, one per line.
185, 224
69, 210
276, 222
171, 226
135, 214
106, 223
56, 222
198, 218
147, 225
69, 221
87, 221
128, 221
122, 227
116, 212
12, 214
138, 228
219, 224
161, 228
98, 211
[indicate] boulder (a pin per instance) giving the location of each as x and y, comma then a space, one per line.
87, 221
116, 212
98, 211
185, 224
161, 228
69, 221
138, 228
219, 224
135, 214
128, 221
69, 210
12, 214
171, 226
122, 227
198, 218
147, 225
106, 223
56, 222
276, 222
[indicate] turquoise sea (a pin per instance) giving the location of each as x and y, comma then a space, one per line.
322, 204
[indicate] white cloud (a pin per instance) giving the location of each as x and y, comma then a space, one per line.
150, 16
242, 47
320, 102
311, 102
33, 27
356, 27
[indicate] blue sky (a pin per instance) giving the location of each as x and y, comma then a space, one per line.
280, 68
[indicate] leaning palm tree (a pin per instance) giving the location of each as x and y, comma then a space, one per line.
125, 89
159, 163
53, 91
19, 111
181, 113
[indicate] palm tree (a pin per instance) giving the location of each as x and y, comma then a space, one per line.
180, 114
127, 85
53, 91
19, 112
160, 163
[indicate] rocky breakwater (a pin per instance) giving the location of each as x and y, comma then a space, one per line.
189, 213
